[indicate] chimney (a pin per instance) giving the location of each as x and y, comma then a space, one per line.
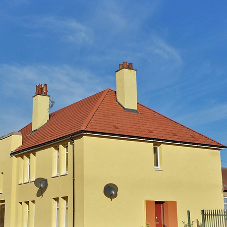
40, 114
127, 87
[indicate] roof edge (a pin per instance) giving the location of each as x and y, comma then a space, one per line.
10, 134
81, 132
207, 137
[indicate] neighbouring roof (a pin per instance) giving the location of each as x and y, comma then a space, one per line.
224, 178
101, 113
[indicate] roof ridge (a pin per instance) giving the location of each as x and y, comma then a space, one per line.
181, 124
92, 113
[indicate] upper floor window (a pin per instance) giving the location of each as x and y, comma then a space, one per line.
27, 168
1, 184
156, 157
66, 159
60, 163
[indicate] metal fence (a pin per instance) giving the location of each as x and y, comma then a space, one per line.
214, 218
210, 218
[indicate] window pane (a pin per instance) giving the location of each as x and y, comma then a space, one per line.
156, 156
2, 214
66, 159
225, 206
225, 199
66, 212
57, 213
57, 160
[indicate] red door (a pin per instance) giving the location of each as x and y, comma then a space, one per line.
158, 214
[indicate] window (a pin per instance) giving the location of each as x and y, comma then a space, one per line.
66, 159
1, 184
27, 168
60, 160
156, 157
56, 212
66, 211
60, 211
225, 203
26, 214
26, 163
2, 212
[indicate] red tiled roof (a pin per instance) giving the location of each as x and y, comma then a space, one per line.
102, 113
224, 178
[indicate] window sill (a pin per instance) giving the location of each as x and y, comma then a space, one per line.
157, 169
30, 181
56, 175
64, 174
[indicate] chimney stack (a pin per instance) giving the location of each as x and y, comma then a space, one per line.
126, 87
40, 114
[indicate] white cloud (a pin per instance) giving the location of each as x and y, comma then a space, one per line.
68, 30
202, 117
165, 51
17, 86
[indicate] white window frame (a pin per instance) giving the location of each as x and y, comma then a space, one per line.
158, 156
57, 212
27, 207
57, 161
66, 209
29, 166
66, 157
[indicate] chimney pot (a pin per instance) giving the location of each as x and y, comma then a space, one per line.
120, 66
44, 89
130, 65
125, 64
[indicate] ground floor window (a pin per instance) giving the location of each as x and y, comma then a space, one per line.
225, 203
2, 212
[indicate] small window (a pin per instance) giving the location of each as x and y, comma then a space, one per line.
225, 203
156, 157
66, 159
1, 184
56, 213
57, 161
2, 212
66, 211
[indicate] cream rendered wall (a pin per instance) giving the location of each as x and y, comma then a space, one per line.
191, 176
7, 144
59, 186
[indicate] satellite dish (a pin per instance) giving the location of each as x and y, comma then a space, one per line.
52, 102
41, 183
110, 191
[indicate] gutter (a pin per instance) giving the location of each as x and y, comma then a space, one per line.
84, 132
73, 181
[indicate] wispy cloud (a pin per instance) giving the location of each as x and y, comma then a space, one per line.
65, 84
67, 29
205, 116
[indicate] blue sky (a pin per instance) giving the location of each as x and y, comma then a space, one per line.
179, 49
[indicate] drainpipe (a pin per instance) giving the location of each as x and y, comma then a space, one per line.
73, 182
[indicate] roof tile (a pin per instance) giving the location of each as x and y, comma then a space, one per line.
102, 113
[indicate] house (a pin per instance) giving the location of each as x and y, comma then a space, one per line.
224, 181
106, 160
